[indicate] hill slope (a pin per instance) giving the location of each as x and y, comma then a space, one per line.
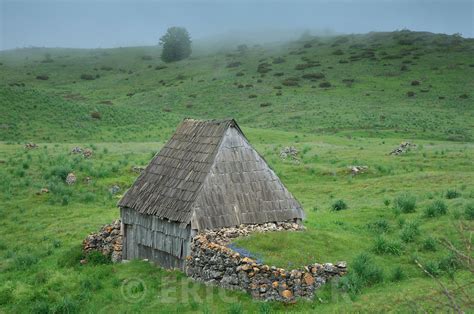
370, 76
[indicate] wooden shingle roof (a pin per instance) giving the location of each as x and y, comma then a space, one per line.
169, 184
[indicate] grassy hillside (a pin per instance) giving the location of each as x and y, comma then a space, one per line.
127, 104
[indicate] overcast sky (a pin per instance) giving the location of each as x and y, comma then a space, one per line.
113, 23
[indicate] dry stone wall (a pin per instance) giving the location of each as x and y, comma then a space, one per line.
214, 263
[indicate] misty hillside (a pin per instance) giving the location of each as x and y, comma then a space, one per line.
412, 83
372, 134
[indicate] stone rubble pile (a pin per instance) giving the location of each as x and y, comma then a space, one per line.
30, 146
217, 264
289, 152
108, 241
403, 148
86, 152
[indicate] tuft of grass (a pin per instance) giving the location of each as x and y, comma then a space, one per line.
432, 267
23, 262
452, 193
384, 246
379, 226
397, 274
71, 257
339, 205
364, 272
236, 308
435, 209
97, 258
405, 203
429, 244
469, 211
410, 232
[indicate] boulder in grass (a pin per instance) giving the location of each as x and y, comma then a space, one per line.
71, 178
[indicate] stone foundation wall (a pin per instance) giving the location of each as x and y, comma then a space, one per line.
214, 263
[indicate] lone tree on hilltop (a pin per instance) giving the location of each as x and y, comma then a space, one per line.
176, 44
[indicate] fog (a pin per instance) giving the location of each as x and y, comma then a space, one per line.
108, 23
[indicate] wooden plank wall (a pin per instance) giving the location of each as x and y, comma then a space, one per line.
146, 236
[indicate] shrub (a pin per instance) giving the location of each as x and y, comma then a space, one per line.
278, 60
234, 64
435, 209
291, 81
339, 205
405, 203
415, 83
469, 211
87, 77
397, 274
324, 84
429, 244
96, 115
409, 232
42, 77
452, 193
410, 94
313, 76
147, 58
384, 246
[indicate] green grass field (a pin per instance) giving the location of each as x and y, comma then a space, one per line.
133, 104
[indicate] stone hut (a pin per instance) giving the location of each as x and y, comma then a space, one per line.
206, 177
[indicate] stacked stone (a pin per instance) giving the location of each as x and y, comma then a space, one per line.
108, 241
403, 148
224, 236
216, 264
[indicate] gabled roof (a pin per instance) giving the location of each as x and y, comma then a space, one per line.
209, 174
170, 183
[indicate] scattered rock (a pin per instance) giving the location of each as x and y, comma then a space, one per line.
358, 169
71, 178
114, 189
403, 148
30, 146
76, 150
42, 191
